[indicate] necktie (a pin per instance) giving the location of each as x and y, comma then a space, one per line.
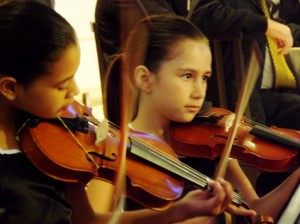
284, 77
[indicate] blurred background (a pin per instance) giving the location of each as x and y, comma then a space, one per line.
80, 14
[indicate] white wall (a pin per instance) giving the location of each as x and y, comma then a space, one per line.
80, 13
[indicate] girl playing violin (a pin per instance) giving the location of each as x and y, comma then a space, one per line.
168, 63
39, 56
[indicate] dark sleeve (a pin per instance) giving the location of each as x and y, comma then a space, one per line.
116, 18
132, 11
216, 16
155, 7
49, 3
295, 29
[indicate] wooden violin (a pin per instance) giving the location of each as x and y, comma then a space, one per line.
53, 149
269, 149
155, 175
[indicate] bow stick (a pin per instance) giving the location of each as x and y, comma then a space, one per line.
127, 100
252, 73
125, 115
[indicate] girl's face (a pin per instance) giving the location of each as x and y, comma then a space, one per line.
47, 96
180, 84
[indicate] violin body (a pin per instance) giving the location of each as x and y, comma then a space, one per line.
147, 184
203, 140
53, 150
155, 176
51, 147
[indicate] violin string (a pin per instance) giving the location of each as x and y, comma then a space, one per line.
197, 177
236, 196
250, 122
78, 142
247, 120
166, 157
197, 174
267, 130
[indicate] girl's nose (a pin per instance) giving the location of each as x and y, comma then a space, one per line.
74, 90
199, 91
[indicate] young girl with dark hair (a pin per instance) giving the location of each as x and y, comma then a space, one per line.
167, 64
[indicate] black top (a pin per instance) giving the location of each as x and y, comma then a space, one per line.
115, 19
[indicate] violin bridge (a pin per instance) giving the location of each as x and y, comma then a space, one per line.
229, 122
101, 131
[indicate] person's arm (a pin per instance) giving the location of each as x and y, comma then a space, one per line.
295, 29
263, 205
195, 204
273, 202
216, 17
236, 176
281, 34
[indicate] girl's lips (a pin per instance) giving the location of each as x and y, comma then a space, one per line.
193, 108
67, 106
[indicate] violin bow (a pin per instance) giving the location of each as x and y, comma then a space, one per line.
120, 178
249, 81
127, 100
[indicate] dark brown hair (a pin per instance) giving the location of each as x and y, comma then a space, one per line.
33, 36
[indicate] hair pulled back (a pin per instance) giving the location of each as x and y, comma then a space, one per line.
32, 37
150, 43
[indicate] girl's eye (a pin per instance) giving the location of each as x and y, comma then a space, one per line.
205, 78
187, 76
63, 88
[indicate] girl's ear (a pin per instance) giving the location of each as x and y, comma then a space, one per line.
8, 87
144, 78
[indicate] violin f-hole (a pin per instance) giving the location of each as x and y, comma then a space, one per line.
112, 158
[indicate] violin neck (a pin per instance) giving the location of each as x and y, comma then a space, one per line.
168, 163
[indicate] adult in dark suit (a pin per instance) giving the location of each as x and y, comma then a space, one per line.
287, 12
280, 107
